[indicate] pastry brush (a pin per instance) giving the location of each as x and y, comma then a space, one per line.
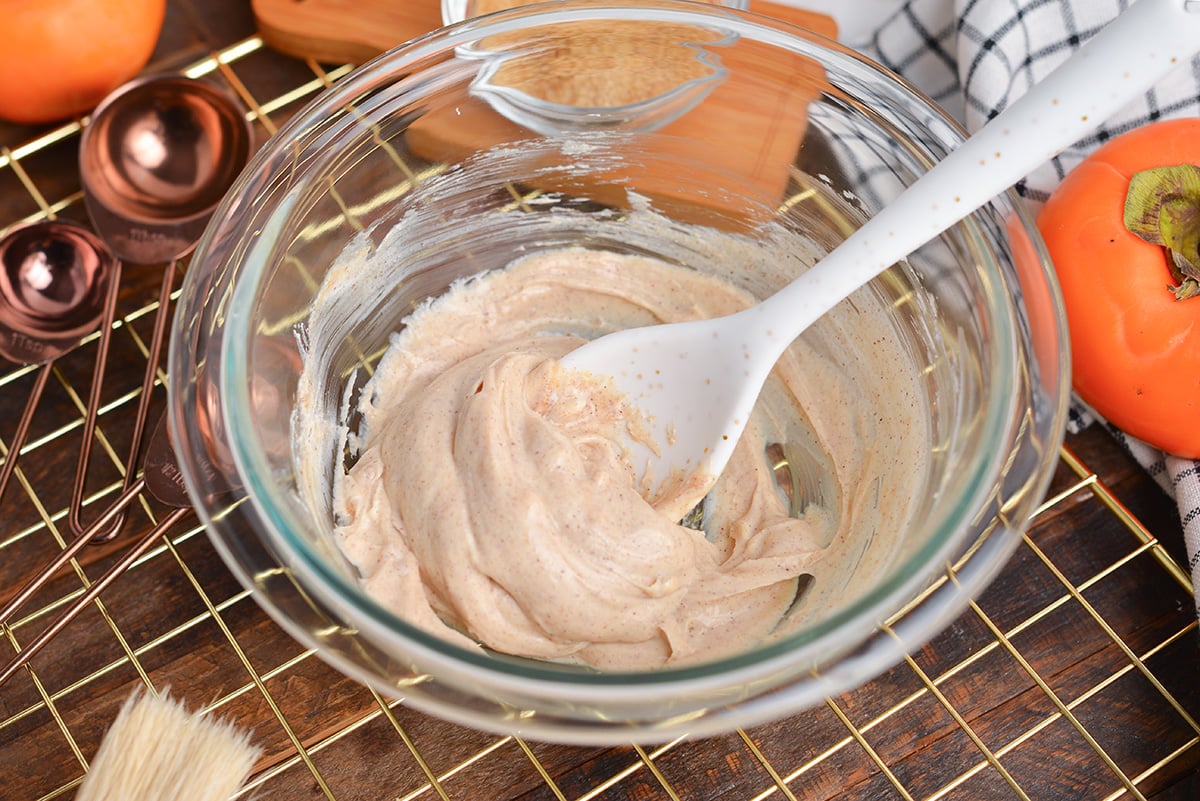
156, 750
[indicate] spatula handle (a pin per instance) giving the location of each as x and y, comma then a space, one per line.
1133, 52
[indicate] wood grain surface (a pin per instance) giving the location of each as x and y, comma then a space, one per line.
1072, 677
761, 126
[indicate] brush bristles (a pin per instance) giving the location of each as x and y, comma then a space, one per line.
156, 750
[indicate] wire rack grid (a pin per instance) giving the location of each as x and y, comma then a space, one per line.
1072, 677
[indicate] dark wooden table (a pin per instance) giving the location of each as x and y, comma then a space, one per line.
1073, 677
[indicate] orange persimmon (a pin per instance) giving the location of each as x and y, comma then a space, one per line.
59, 58
1134, 330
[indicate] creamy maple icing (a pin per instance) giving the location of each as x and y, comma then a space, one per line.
491, 503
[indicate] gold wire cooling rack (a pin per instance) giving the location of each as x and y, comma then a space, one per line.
1072, 677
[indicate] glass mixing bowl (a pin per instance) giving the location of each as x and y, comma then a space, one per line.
575, 123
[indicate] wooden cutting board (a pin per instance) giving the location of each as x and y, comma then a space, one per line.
745, 127
353, 31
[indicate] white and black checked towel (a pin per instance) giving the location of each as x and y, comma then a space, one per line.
974, 57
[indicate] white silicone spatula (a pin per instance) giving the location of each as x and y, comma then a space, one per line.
696, 382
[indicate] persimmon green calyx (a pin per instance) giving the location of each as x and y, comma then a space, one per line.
1162, 207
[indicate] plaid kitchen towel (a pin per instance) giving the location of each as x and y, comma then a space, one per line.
974, 57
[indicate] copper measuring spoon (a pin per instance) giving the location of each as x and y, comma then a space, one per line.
158, 156
56, 282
